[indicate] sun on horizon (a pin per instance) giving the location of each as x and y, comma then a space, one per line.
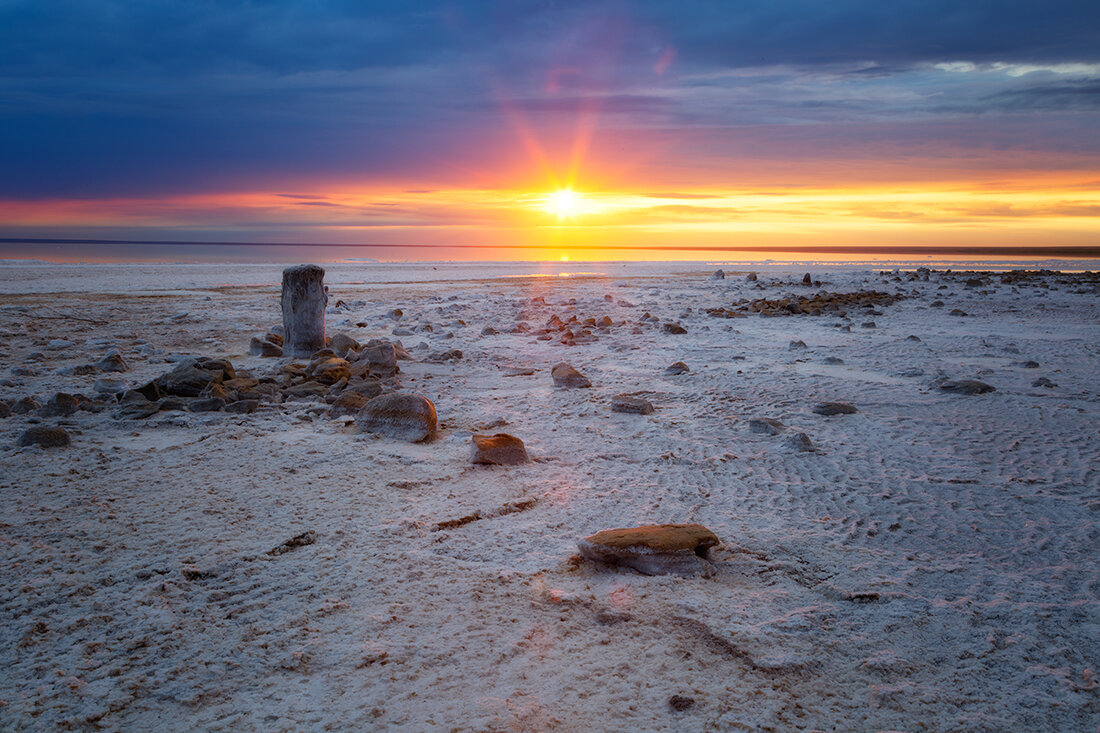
564, 202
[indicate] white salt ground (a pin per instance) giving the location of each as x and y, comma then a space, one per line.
930, 567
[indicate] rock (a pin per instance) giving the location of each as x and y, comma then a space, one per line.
751, 277
59, 344
631, 405
501, 449
366, 387
264, 347
45, 437
912, 337
401, 332
113, 362
242, 407
443, 356
718, 275
660, 549
24, 405
60, 405
5, 410
834, 408
957, 312
110, 386
1030, 365
675, 368
306, 389
796, 345
1043, 382
674, 328
807, 280
966, 386
766, 426
341, 344
799, 442
680, 703
348, 403
400, 415
137, 410
488, 331
833, 360
936, 304
192, 377
380, 359
868, 324
329, 370
566, 376
210, 404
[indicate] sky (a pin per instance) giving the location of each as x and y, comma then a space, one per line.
542, 129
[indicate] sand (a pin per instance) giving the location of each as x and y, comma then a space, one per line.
930, 566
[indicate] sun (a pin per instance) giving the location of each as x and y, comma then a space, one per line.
564, 202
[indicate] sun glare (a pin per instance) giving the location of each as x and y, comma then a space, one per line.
565, 202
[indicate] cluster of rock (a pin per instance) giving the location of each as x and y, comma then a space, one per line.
575, 329
818, 304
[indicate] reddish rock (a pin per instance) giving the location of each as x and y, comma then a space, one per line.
565, 375
499, 450
400, 415
658, 549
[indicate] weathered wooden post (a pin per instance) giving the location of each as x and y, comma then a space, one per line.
304, 301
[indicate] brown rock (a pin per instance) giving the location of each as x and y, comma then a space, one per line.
766, 425
675, 368
341, 344
60, 405
329, 370
45, 437
400, 415
24, 405
632, 405
347, 403
565, 375
500, 450
380, 358
966, 386
659, 549
264, 347
834, 408
674, 328
113, 362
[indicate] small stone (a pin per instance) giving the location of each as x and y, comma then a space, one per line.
680, 703
661, 549
136, 410
566, 376
1030, 365
110, 386
868, 324
936, 304
113, 362
766, 426
796, 345
264, 347
1043, 382
380, 359
210, 404
341, 344
45, 437
308, 390
440, 357
631, 405
751, 277
348, 403
966, 386
718, 275
833, 360
957, 312
913, 338
329, 370
807, 280
673, 328
799, 442
5, 410
400, 415
678, 367
59, 344
60, 405
834, 408
501, 449
242, 407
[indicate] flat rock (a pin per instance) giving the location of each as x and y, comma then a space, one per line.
675, 368
834, 408
833, 360
501, 449
210, 404
658, 549
109, 385
45, 437
341, 344
348, 403
242, 407
566, 376
632, 405
401, 415
966, 386
799, 442
766, 426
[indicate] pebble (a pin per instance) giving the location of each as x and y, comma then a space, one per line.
766, 426
678, 367
1043, 382
660, 549
501, 449
400, 415
796, 345
60, 405
45, 437
631, 405
348, 403
799, 442
833, 360
565, 375
107, 385
966, 386
673, 328
834, 408
718, 275
112, 362
24, 405
263, 347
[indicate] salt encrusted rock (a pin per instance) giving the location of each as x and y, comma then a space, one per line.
751, 277
868, 324
329, 370
659, 549
807, 280
137, 410
799, 442
24, 405
766, 426
264, 347
379, 358
113, 362
192, 377
796, 345
242, 407
957, 312
1030, 364
347, 403
210, 404
303, 302
674, 328
341, 344
565, 375
440, 357
110, 386
936, 304
834, 408
60, 405
45, 437
400, 415
631, 405
913, 337
675, 368
1043, 382
501, 449
833, 360
308, 390
966, 386
718, 275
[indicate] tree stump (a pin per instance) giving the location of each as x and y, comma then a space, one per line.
304, 300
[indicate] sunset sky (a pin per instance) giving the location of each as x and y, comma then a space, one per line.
456, 126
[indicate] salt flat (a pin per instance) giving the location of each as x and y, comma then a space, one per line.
929, 566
